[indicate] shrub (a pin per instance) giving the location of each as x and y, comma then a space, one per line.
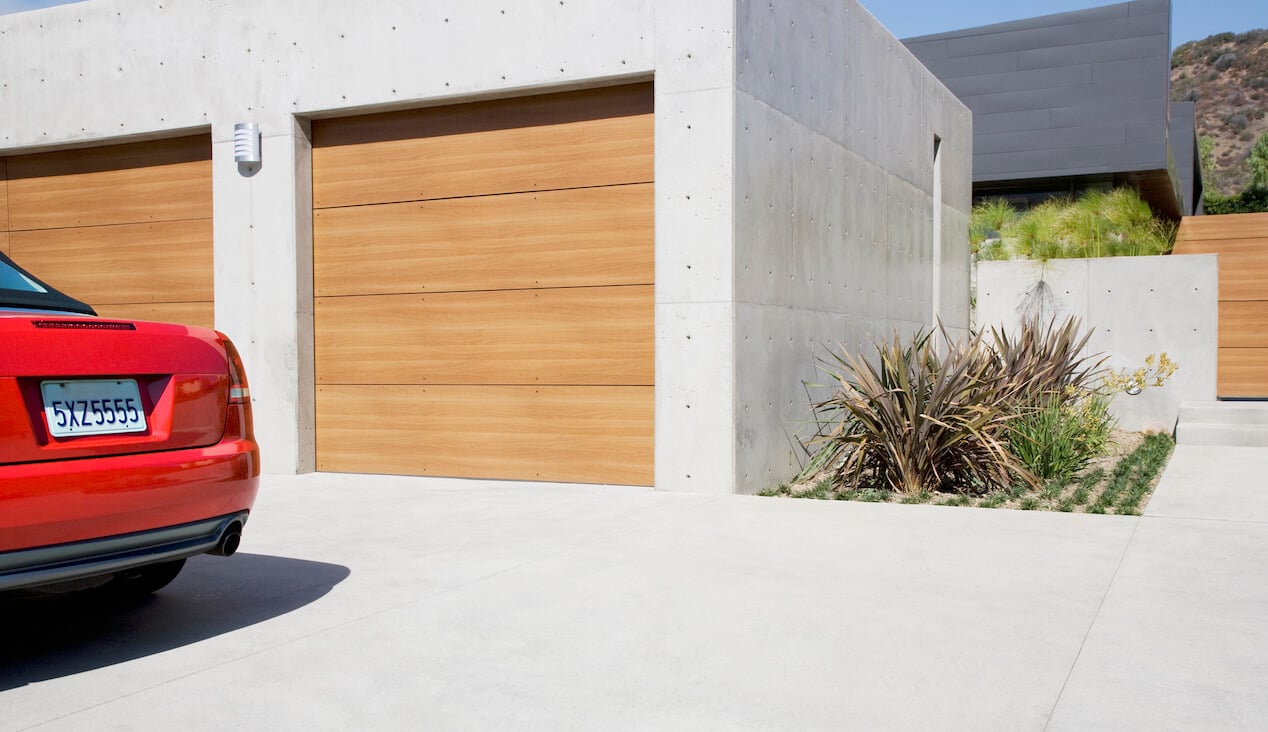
1036, 231
1206, 154
988, 219
1236, 121
1045, 361
1157, 369
1059, 437
1258, 162
1251, 200
1097, 224
1063, 418
998, 414
918, 420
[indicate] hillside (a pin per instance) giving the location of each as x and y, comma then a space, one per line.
1227, 76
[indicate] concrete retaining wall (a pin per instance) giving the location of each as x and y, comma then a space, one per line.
1135, 305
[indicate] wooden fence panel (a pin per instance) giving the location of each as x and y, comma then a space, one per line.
1241, 241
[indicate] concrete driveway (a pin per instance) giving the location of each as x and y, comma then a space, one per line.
385, 603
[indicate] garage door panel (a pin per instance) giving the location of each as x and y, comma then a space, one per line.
202, 314
4, 242
527, 111
483, 149
560, 433
162, 180
597, 236
132, 263
589, 335
484, 289
1243, 372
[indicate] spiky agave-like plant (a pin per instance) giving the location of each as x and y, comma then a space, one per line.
921, 417
1046, 360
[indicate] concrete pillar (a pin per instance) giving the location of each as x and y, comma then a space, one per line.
264, 284
695, 293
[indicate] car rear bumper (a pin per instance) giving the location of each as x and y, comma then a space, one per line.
77, 560
69, 501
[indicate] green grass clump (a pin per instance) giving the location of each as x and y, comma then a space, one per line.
987, 221
1134, 476
1099, 223
1059, 437
1083, 489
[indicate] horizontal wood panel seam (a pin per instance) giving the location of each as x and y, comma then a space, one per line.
486, 195
151, 302
115, 224
494, 289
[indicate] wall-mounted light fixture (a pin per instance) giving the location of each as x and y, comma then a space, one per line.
246, 142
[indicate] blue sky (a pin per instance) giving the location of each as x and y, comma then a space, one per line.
1190, 19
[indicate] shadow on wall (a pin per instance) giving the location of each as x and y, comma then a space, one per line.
50, 636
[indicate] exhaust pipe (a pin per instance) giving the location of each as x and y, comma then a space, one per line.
229, 540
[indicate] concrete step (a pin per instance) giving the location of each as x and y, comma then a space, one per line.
1228, 435
1225, 412
1234, 424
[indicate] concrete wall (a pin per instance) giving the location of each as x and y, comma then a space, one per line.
834, 213
1135, 305
835, 130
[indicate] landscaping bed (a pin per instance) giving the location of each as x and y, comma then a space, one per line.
1119, 482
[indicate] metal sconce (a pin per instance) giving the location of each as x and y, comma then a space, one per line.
246, 142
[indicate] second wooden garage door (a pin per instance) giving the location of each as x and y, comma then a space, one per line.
484, 289
125, 228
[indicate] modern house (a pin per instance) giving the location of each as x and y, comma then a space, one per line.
1071, 101
597, 242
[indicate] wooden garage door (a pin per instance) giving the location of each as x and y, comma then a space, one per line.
483, 277
125, 228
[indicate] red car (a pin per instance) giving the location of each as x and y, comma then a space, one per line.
125, 446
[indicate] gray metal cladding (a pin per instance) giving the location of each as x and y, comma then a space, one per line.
1184, 144
1074, 93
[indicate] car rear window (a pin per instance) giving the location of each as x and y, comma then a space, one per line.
21, 289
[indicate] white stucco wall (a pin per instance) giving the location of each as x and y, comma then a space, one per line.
1134, 306
835, 125
109, 71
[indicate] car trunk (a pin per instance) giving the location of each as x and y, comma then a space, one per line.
73, 387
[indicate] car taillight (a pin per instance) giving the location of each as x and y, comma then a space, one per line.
239, 392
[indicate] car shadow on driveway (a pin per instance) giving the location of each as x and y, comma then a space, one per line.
45, 636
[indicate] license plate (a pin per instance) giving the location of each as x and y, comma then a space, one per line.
92, 407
